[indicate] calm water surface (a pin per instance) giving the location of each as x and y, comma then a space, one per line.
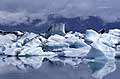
58, 68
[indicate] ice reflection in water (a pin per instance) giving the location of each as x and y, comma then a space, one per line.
99, 69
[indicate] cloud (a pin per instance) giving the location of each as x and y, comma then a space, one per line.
107, 9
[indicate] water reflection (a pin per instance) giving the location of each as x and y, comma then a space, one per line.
99, 69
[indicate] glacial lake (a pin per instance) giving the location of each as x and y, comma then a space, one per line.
58, 68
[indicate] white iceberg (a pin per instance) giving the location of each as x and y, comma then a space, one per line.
69, 44
55, 46
115, 32
34, 43
7, 39
109, 39
56, 29
57, 38
101, 51
27, 37
75, 42
103, 45
35, 51
91, 35
13, 51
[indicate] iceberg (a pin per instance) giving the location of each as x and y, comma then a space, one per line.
31, 51
27, 37
71, 44
103, 45
115, 32
56, 37
75, 42
13, 51
100, 50
91, 35
55, 46
34, 43
109, 39
97, 54
36, 51
56, 29
7, 39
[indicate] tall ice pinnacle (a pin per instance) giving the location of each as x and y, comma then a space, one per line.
56, 29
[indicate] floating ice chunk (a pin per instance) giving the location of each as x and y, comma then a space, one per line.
101, 69
57, 38
58, 43
55, 46
76, 34
109, 39
106, 38
31, 51
75, 42
101, 48
7, 39
11, 50
69, 35
56, 29
101, 51
34, 43
115, 32
11, 37
91, 35
36, 51
27, 37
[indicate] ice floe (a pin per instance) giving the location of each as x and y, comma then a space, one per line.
71, 44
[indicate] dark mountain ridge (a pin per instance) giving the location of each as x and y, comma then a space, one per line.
71, 24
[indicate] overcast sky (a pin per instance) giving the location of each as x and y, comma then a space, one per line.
107, 9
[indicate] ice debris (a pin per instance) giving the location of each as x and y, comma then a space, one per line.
103, 45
